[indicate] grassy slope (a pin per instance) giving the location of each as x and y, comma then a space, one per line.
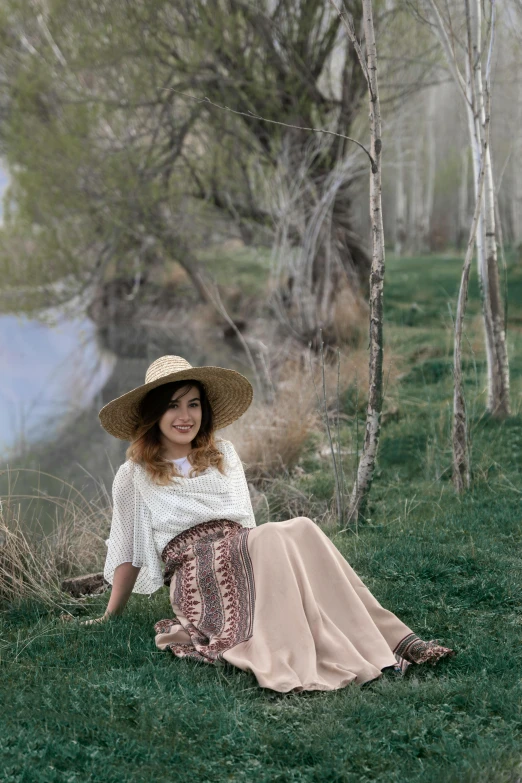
100, 704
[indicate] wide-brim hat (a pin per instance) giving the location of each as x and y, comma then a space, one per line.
229, 394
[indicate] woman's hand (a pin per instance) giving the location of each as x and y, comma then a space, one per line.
124, 580
67, 618
95, 620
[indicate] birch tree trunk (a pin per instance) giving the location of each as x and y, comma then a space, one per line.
462, 215
415, 214
471, 87
461, 460
498, 368
479, 120
429, 191
400, 192
422, 187
498, 403
366, 467
516, 200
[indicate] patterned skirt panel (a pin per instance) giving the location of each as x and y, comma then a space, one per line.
213, 589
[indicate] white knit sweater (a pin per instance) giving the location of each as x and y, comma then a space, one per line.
147, 516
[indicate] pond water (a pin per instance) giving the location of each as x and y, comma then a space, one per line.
46, 371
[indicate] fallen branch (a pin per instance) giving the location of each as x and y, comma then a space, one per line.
90, 584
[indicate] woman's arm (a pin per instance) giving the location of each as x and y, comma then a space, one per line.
124, 580
125, 577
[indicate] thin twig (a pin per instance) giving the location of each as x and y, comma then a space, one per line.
330, 440
339, 455
325, 414
216, 300
347, 23
251, 115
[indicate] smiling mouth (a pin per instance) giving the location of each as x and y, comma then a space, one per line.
186, 428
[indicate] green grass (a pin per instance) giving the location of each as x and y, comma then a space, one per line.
102, 704
422, 288
246, 268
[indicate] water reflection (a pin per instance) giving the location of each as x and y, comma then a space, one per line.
46, 372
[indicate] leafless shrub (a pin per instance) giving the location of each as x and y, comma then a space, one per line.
310, 262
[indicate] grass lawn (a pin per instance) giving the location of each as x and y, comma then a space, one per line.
101, 704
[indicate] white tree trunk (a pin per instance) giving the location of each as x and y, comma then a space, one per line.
498, 403
422, 178
498, 372
366, 466
429, 190
400, 191
416, 198
463, 210
461, 461
515, 202
472, 90
479, 124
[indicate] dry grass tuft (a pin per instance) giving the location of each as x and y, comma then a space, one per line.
270, 438
354, 372
349, 325
34, 562
474, 337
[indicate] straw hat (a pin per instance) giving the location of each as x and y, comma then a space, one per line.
228, 392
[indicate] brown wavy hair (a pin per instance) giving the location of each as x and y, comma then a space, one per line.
146, 447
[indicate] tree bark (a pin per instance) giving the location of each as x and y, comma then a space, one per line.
414, 217
498, 402
479, 118
462, 215
516, 199
471, 87
180, 252
400, 192
366, 467
429, 190
295, 42
90, 584
461, 460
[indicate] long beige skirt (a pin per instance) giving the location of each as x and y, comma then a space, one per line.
280, 601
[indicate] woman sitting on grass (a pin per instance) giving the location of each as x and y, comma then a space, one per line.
277, 600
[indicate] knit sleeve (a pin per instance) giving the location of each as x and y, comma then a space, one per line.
131, 539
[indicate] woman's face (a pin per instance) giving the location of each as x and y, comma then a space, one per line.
182, 420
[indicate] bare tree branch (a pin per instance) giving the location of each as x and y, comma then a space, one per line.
254, 116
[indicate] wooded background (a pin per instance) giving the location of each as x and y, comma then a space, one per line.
117, 155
